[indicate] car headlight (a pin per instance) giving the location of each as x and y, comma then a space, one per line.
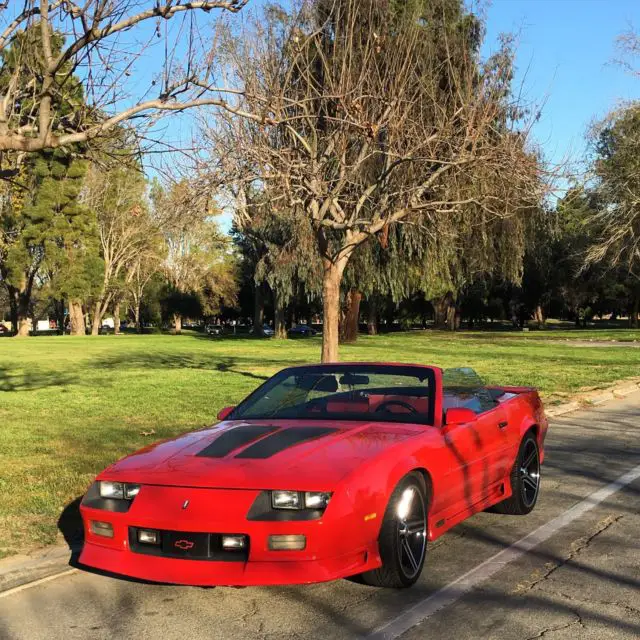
118, 490
315, 500
285, 500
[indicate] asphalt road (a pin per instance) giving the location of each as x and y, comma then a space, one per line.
581, 582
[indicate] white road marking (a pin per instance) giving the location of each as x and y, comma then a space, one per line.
35, 583
467, 582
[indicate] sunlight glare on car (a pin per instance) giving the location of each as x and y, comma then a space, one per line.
405, 504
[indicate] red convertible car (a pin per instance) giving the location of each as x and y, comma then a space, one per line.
323, 472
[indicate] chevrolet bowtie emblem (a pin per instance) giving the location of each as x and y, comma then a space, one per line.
185, 545
185, 504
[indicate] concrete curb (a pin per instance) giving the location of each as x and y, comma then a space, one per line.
20, 570
593, 398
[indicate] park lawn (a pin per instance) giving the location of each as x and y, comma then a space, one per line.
69, 406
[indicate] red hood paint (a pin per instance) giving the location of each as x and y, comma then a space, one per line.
317, 464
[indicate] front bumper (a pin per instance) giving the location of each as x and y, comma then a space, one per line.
337, 546
208, 573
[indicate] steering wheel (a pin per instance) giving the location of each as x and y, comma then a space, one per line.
398, 403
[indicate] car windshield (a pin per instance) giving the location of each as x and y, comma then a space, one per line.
392, 393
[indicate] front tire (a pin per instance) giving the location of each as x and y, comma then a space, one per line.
525, 479
403, 536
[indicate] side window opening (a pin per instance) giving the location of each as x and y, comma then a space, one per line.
463, 387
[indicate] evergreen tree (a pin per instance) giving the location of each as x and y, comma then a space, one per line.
55, 235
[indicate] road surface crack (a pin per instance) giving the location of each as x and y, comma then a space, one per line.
560, 627
577, 547
634, 611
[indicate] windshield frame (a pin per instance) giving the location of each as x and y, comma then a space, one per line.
421, 372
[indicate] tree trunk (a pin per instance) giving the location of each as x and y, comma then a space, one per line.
635, 309
538, 316
116, 318
76, 317
177, 323
13, 313
19, 299
258, 310
332, 278
59, 310
23, 316
96, 321
136, 313
279, 325
445, 312
372, 317
457, 318
351, 318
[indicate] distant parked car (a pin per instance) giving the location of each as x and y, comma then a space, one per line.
267, 331
301, 331
214, 329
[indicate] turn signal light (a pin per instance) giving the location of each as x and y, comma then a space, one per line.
287, 543
104, 529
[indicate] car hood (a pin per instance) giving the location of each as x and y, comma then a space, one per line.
306, 455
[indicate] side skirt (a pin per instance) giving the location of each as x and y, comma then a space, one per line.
439, 524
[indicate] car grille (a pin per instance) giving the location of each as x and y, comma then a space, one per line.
188, 546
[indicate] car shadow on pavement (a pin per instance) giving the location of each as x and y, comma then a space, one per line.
70, 526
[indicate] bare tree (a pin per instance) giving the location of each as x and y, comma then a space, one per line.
628, 48
144, 268
125, 53
379, 118
127, 232
195, 263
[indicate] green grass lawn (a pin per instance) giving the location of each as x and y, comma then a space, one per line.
69, 406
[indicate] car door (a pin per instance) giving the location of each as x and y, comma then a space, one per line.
460, 460
492, 436
474, 452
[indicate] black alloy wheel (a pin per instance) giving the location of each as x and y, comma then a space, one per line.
525, 479
403, 536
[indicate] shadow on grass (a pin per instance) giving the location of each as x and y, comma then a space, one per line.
241, 366
33, 380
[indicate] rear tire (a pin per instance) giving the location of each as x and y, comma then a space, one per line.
403, 536
525, 480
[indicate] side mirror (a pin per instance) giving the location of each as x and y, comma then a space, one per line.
459, 415
223, 413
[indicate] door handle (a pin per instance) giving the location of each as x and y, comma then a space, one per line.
503, 424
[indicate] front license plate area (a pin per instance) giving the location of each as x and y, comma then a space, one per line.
188, 545
185, 545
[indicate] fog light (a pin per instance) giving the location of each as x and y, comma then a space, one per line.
148, 536
287, 543
104, 529
231, 543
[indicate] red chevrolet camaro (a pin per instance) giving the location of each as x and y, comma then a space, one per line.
323, 472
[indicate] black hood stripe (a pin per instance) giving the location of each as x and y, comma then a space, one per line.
282, 440
235, 438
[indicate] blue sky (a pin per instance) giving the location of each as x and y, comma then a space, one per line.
565, 48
